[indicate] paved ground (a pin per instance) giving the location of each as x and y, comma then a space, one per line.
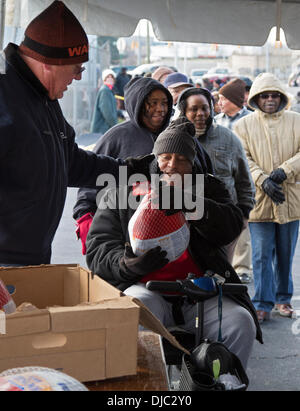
273, 366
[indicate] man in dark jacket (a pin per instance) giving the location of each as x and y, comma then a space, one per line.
110, 255
122, 79
39, 157
149, 106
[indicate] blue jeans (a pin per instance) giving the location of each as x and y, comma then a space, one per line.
273, 248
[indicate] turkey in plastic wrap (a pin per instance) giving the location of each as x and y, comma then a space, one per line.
149, 227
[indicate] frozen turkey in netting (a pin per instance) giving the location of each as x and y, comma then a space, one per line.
150, 227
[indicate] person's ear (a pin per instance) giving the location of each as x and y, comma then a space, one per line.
46, 69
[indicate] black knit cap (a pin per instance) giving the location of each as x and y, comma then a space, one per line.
177, 138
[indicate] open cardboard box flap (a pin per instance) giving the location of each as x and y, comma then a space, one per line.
149, 321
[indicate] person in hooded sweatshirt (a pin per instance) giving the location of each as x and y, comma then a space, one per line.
149, 106
224, 148
271, 139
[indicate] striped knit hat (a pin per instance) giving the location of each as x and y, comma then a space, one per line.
177, 138
56, 37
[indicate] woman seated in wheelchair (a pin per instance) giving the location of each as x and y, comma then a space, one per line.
110, 255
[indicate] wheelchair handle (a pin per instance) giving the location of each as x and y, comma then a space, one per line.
164, 286
187, 287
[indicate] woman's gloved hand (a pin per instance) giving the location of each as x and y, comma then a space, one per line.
152, 260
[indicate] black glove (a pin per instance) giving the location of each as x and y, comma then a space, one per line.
274, 191
245, 210
278, 175
178, 199
140, 165
136, 267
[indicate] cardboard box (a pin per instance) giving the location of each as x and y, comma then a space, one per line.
82, 325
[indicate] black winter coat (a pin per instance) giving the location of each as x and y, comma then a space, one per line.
38, 160
222, 222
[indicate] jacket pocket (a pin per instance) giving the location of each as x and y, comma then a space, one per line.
263, 209
222, 163
230, 185
293, 198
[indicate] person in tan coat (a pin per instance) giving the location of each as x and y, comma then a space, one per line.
271, 139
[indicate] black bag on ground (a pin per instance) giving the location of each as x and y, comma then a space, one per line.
197, 369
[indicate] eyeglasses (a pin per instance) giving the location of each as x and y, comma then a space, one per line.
264, 96
78, 70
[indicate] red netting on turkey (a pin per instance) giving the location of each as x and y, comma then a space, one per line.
150, 227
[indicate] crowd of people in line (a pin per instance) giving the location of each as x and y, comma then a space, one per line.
249, 156
247, 166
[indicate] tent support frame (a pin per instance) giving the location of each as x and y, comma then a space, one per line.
2, 21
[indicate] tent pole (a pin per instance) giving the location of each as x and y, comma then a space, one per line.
148, 42
278, 19
2, 21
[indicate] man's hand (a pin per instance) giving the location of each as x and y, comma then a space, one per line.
152, 260
278, 175
274, 191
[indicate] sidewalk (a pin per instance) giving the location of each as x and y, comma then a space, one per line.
273, 366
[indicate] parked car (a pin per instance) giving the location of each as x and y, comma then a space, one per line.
223, 71
248, 81
197, 74
216, 76
146, 68
294, 79
224, 74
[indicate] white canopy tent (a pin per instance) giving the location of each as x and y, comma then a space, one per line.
243, 22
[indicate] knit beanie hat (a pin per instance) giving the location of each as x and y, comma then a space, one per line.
108, 72
160, 72
56, 37
177, 138
234, 91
